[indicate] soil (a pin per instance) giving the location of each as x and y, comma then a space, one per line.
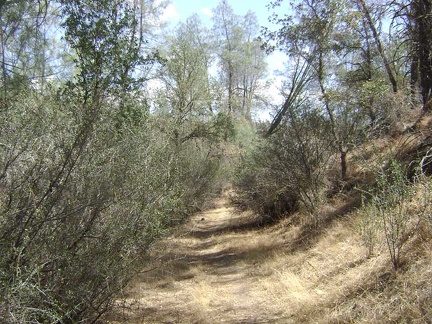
207, 272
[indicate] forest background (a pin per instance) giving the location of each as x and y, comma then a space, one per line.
114, 130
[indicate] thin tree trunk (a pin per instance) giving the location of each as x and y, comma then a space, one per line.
339, 142
422, 12
230, 89
414, 74
3, 57
4, 72
368, 72
386, 62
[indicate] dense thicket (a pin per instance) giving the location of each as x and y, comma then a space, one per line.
349, 79
94, 163
112, 131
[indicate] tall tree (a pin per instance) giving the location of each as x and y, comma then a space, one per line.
185, 75
366, 12
229, 34
359, 64
22, 42
107, 40
252, 66
240, 58
313, 35
421, 35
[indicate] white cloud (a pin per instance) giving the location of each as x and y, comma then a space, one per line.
207, 12
169, 13
277, 61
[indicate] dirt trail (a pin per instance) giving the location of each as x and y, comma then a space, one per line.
208, 273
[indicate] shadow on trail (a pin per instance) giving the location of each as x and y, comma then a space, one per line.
218, 251
206, 233
205, 230
227, 261
204, 225
201, 248
310, 234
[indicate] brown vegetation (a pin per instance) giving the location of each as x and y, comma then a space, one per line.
263, 276
219, 268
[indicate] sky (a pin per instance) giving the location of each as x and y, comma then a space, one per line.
180, 10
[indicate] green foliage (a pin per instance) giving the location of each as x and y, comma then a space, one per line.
93, 173
240, 59
105, 37
80, 202
369, 228
257, 189
387, 211
88, 177
23, 44
287, 168
244, 135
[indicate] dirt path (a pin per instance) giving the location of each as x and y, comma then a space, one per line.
209, 272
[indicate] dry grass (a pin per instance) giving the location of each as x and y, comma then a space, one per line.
255, 276
219, 268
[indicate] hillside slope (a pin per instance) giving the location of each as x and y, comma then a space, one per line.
220, 267
218, 270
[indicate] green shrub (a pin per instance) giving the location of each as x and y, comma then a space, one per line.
286, 169
387, 211
81, 200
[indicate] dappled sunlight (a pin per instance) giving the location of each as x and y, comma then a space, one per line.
233, 275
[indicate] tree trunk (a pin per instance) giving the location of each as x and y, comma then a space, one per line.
3, 57
344, 167
333, 125
422, 40
4, 71
386, 62
230, 89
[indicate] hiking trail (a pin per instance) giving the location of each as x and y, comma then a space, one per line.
208, 273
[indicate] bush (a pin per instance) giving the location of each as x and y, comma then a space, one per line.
81, 199
387, 212
286, 169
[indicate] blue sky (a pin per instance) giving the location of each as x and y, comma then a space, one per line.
179, 10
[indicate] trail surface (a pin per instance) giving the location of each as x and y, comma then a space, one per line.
208, 272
